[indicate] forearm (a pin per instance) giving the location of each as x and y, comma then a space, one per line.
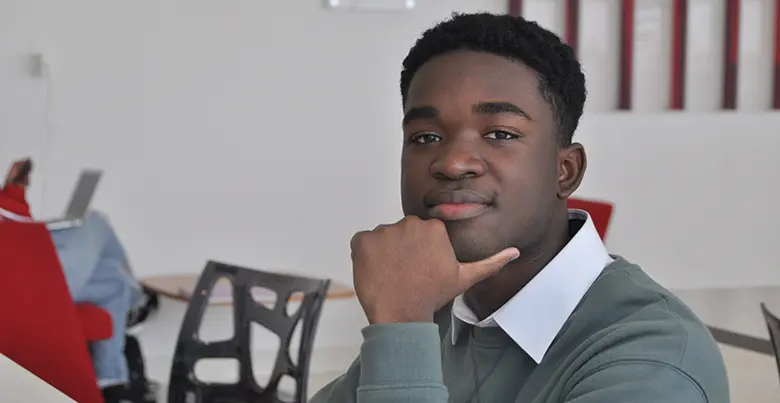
401, 363
398, 363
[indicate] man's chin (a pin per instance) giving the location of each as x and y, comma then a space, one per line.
472, 240
470, 250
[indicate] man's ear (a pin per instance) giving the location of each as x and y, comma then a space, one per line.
571, 168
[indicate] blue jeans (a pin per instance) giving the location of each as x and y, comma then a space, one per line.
97, 271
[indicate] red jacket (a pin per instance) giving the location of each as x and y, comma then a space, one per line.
13, 204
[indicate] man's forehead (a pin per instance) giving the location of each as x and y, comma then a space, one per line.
467, 76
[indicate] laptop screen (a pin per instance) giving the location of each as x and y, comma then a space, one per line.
82, 195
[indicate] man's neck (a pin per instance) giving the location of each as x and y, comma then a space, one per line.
491, 294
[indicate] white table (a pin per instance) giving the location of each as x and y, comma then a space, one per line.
734, 314
19, 385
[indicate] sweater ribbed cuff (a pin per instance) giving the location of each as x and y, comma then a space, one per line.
401, 354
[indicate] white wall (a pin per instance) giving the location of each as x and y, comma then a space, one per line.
694, 193
266, 135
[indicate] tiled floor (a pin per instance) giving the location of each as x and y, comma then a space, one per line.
753, 377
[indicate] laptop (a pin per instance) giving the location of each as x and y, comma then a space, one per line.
79, 202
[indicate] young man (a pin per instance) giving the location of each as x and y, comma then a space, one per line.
96, 269
540, 311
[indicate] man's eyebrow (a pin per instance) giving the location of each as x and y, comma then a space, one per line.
421, 112
499, 108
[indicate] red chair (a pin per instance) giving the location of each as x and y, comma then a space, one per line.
600, 212
41, 328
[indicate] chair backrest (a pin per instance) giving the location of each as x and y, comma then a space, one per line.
600, 212
773, 325
39, 326
183, 385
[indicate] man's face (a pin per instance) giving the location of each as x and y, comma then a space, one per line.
480, 153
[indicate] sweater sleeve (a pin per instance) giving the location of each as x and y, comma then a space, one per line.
636, 381
398, 363
13, 201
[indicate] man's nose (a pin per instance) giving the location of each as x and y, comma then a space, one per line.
458, 160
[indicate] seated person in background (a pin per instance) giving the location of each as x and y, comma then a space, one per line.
96, 269
13, 204
535, 309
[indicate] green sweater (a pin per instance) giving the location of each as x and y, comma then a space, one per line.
629, 340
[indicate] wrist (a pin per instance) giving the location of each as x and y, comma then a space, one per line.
383, 318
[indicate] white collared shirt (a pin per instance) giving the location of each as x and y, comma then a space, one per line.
535, 315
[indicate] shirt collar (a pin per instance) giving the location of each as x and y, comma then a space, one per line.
535, 315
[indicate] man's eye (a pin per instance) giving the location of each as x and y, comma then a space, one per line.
501, 135
425, 138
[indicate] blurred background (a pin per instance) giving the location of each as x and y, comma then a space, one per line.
265, 133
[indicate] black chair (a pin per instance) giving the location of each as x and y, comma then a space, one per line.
185, 388
773, 324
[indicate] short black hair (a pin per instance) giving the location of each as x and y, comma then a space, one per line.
561, 80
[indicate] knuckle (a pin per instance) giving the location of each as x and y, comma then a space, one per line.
411, 219
437, 225
357, 239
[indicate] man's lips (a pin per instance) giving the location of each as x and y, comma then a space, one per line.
457, 211
454, 205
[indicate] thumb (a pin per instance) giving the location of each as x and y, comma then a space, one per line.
472, 273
